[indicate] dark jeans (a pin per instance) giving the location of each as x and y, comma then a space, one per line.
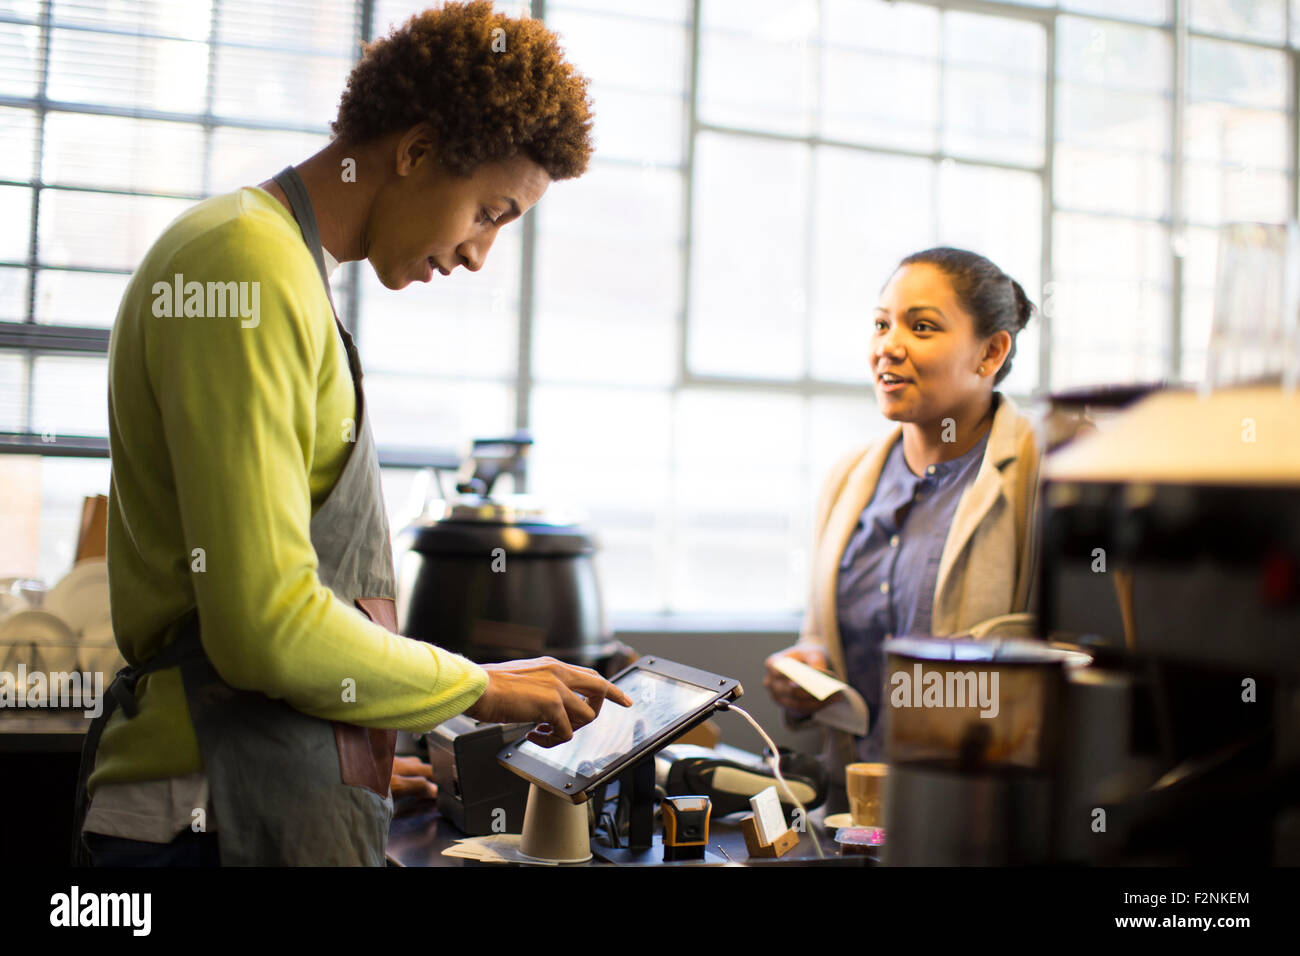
187, 849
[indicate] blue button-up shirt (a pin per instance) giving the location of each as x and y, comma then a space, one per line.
890, 567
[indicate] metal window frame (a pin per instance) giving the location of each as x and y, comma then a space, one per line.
32, 339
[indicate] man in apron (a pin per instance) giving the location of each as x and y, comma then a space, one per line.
250, 569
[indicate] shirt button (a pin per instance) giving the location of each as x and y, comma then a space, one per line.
930, 470
893, 541
884, 587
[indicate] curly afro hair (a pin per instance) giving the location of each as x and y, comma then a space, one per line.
490, 86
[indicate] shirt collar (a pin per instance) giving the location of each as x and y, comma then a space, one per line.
943, 469
330, 262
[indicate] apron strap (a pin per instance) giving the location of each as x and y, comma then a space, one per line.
300, 205
121, 692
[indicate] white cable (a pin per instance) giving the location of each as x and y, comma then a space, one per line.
776, 768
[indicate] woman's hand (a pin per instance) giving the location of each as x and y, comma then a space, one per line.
785, 691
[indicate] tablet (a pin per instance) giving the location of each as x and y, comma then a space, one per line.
668, 699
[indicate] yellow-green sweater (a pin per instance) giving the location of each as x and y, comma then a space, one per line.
226, 435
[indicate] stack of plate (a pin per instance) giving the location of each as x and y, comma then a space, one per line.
72, 630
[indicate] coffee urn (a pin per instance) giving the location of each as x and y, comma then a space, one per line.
503, 577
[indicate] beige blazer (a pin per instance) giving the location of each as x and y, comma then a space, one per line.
986, 582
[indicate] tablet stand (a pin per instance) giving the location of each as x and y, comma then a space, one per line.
640, 781
555, 828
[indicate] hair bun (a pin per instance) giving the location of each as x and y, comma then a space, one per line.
1024, 308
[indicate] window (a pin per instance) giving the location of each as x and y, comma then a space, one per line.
684, 329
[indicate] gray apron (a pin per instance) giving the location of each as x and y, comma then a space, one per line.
288, 789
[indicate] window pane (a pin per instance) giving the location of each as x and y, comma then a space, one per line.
1113, 119
738, 486
70, 395
606, 452
78, 298
1200, 266
625, 54
995, 212
18, 133
65, 483
242, 157
1248, 19
184, 21
318, 26
13, 295
394, 13
1114, 56
1109, 301
85, 150
1148, 11
612, 201
758, 64
880, 74
270, 86
127, 71
645, 128
1236, 74
416, 411
607, 312
13, 392
674, 11
608, 293
589, 275
993, 88
1095, 180
462, 324
870, 212
1245, 193
747, 258
28, 10
41, 512
91, 229
637, 89
837, 425
1236, 134
625, 346
16, 213
20, 48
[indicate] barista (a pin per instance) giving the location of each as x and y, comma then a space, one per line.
928, 530
250, 570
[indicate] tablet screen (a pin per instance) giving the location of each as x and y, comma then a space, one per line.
657, 703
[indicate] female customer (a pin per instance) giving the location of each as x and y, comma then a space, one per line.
927, 531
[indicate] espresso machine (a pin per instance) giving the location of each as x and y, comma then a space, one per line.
1171, 552
502, 576
1158, 722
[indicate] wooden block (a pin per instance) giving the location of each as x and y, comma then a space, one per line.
786, 842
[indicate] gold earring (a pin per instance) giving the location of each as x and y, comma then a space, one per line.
981, 370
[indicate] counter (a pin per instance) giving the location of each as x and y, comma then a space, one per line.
40, 752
